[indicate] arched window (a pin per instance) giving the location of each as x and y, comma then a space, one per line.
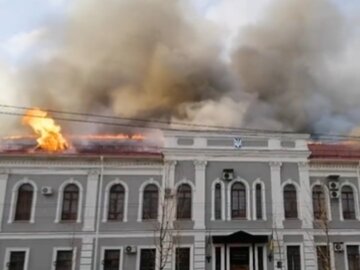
348, 202
70, 203
116, 203
258, 201
150, 202
319, 203
238, 201
24, 202
217, 198
183, 204
290, 201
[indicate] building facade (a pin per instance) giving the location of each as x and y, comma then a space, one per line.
206, 200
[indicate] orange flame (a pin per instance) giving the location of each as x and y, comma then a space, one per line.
49, 134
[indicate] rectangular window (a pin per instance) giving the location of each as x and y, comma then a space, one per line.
147, 259
111, 259
293, 258
64, 260
218, 261
17, 260
353, 257
182, 259
323, 257
260, 258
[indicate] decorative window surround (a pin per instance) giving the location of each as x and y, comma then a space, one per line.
346, 244
60, 200
223, 200
229, 246
106, 199
356, 199
9, 250
120, 248
138, 255
263, 199
191, 247
141, 197
327, 197
54, 257
332, 257
298, 194
191, 184
14, 197
302, 259
247, 187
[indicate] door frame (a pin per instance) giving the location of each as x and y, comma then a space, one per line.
239, 245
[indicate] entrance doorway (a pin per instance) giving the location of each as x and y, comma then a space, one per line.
239, 258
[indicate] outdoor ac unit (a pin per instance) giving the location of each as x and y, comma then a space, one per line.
47, 191
334, 194
130, 249
168, 193
334, 185
228, 174
338, 246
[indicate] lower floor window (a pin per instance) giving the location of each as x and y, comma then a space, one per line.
218, 261
323, 257
64, 260
16, 260
147, 259
111, 259
353, 257
182, 260
293, 258
260, 258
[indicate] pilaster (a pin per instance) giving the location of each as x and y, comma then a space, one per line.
276, 194
305, 196
4, 175
87, 253
199, 194
199, 251
91, 200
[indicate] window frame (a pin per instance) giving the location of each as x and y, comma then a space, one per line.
346, 252
298, 208
141, 198
223, 199
332, 258
106, 200
54, 256
104, 248
222, 256
178, 185
17, 249
138, 255
327, 199
356, 200
263, 200
301, 246
229, 200
191, 255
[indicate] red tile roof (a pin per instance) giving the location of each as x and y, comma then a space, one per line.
345, 151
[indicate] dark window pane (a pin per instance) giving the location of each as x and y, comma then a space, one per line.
290, 201
218, 261
323, 258
24, 202
239, 258
116, 203
182, 259
183, 206
293, 258
319, 203
150, 202
238, 201
70, 203
64, 260
17, 260
258, 195
348, 204
353, 257
111, 259
217, 201
260, 255
147, 259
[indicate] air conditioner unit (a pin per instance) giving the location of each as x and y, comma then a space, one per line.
338, 246
333, 185
228, 174
168, 193
130, 249
47, 191
334, 194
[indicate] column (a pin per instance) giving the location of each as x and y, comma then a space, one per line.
91, 199
87, 253
199, 194
4, 175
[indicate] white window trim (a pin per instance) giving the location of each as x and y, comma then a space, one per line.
9, 250
103, 248
327, 198
247, 192
14, 197
332, 258
106, 199
54, 257
139, 248
223, 200
191, 184
60, 200
239, 245
191, 247
298, 194
356, 200
345, 252
222, 252
265, 258
141, 197
302, 259
263, 198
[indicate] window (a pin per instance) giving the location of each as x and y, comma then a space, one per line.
116, 203
183, 206
24, 202
217, 198
147, 259
238, 201
348, 204
259, 202
218, 261
182, 260
319, 203
150, 202
290, 201
323, 258
260, 258
353, 257
70, 203
111, 259
64, 260
293, 258
16, 260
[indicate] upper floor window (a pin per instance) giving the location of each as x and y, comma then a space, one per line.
116, 203
319, 203
24, 202
217, 199
348, 202
290, 201
70, 203
183, 205
150, 202
258, 201
238, 201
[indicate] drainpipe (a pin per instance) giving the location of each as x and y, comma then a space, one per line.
98, 211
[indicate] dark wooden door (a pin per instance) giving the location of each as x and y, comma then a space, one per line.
239, 258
